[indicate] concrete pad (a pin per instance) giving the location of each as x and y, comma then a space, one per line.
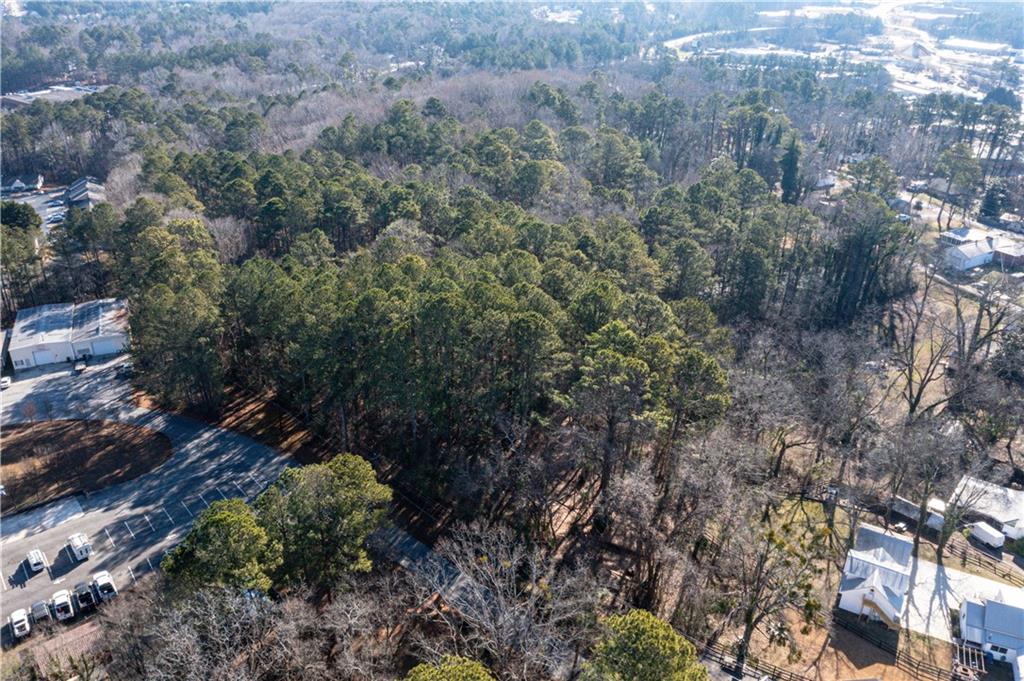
935, 589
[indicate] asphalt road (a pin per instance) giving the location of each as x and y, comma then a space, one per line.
131, 524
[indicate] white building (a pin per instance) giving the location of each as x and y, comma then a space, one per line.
50, 334
876, 576
962, 235
997, 627
1002, 505
971, 255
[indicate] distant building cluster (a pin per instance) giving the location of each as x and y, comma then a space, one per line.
55, 94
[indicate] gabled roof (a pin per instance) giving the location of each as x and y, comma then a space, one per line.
1002, 504
896, 548
880, 561
971, 250
1004, 618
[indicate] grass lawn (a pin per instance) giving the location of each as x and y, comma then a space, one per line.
48, 460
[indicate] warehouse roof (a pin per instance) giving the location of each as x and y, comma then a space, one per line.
66, 322
99, 318
41, 325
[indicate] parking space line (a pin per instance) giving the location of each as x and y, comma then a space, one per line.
151, 528
204, 500
132, 573
129, 529
239, 488
109, 538
164, 509
220, 493
190, 513
249, 475
150, 563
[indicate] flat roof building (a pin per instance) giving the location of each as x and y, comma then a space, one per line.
62, 332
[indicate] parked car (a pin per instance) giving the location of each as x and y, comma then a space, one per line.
125, 370
36, 560
104, 585
54, 203
19, 623
5, 383
80, 366
41, 612
81, 547
62, 608
84, 596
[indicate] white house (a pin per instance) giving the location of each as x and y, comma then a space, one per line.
22, 183
971, 255
876, 576
997, 627
50, 334
1002, 505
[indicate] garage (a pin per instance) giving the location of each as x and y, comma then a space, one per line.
105, 347
40, 357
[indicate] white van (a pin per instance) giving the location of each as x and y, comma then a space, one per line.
80, 546
36, 560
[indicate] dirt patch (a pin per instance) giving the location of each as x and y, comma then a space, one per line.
48, 460
836, 655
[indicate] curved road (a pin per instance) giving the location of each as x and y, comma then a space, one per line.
133, 523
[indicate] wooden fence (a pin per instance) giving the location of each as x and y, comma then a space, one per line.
919, 669
720, 654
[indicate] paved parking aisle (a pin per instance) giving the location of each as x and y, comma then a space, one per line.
132, 524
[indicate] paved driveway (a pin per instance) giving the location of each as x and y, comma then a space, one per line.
936, 589
131, 524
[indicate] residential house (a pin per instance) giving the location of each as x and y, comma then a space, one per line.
1012, 222
22, 183
962, 235
996, 625
1002, 506
971, 255
1009, 255
876, 576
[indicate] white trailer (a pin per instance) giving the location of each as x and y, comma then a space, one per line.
988, 535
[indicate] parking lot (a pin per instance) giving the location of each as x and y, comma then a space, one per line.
39, 201
132, 524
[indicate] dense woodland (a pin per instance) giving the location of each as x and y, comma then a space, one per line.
580, 295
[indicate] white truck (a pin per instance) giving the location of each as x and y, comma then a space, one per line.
80, 546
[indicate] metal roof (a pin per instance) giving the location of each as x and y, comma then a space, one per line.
1002, 504
67, 322
42, 325
97, 318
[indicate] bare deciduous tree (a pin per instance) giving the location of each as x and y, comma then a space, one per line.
501, 600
